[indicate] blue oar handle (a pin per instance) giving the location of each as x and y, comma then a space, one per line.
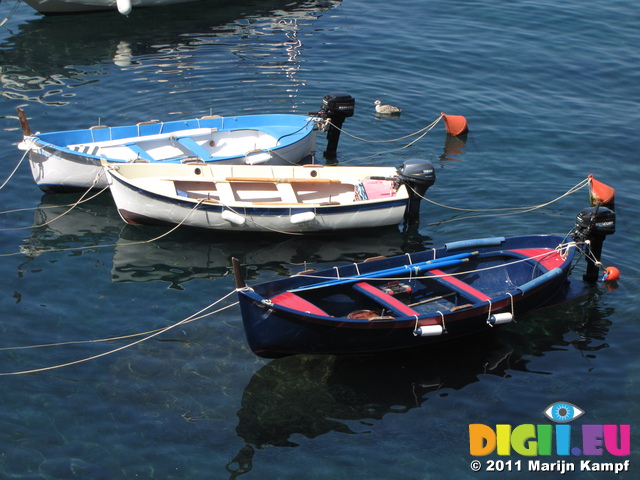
395, 271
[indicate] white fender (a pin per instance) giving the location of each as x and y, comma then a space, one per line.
233, 217
428, 331
500, 318
124, 6
302, 217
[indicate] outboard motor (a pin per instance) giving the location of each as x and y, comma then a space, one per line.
336, 107
418, 175
593, 224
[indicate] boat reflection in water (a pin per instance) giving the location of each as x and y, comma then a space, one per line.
154, 38
313, 395
185, 254
60, 223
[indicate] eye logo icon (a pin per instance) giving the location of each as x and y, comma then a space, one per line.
563, 412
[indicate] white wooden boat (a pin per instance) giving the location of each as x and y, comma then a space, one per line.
58, 7
71, 160
268, 198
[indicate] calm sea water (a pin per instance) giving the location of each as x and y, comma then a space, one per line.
550, 90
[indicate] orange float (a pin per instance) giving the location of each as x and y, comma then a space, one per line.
455, 124
600, 192
611, 274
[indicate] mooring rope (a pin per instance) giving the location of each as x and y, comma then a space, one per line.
14, 170
516, 210
191, 318
426, 130
422, 131
589, 255
15, 7
140, 242
72, 206
29, 209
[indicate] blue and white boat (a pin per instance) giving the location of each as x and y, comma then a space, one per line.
418, 299
72, 160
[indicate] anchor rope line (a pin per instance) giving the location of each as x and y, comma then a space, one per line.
72, 206
14, 170
424, 129
517, 210
79, 202
123, 337
590, 256
90, 247
148, 337
15, 7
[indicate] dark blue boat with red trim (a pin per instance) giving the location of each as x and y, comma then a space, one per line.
417, 299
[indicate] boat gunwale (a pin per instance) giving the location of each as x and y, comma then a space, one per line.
304, 127
172, 127
401, 199
506, 300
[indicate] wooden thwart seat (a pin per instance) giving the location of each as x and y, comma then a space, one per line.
194, 148
387, 301
460, 285
295, 302
139, 151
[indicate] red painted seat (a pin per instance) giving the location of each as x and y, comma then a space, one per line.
386, 300
293, 301
459, 284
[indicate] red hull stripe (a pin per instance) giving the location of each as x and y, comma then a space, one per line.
465, 287
293, 301
383, 299
547, 257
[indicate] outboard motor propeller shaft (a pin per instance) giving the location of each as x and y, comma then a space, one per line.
593, 225
418, 175
336, 107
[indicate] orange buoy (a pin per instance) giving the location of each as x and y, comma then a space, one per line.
611, 274
455, 124
600, 192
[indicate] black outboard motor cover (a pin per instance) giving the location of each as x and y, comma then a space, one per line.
418, 175
338, 104
596, 220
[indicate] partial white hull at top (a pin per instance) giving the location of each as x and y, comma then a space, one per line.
56, 7
71, 160
282, 199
